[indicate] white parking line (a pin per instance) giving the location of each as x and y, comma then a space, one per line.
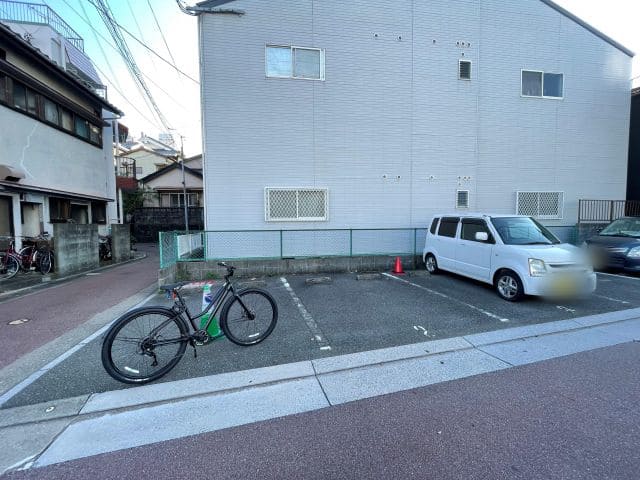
311, 323
612, 299
473, 307
565, 309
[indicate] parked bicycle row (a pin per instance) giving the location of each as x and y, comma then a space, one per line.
36, 254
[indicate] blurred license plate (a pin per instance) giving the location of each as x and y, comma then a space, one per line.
565, 286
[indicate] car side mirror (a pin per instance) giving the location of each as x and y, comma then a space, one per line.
482, 236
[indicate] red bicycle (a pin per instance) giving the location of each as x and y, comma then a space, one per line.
35, 255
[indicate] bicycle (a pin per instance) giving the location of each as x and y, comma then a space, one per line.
146, 343
30, 257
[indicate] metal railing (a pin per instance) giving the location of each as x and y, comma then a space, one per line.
605, 211
40, 14
288, 244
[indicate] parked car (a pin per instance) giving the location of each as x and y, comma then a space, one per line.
617, 246
514, 253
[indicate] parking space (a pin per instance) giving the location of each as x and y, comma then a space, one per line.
341, 316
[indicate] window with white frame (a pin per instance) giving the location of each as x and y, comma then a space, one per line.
296, 204
464, 70
177, 199
542, 84
462, 199
548, 205
294, 62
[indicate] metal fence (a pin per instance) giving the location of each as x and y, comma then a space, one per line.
40, 14
605, 211
284, 244
179, 246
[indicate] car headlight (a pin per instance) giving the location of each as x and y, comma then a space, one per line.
537, 268
634, 252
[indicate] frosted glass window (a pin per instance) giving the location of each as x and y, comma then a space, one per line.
51, 112
531, 84
307, 63
279, 62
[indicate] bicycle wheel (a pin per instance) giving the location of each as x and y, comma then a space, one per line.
250, 317
144, 344
45, 261
9, 266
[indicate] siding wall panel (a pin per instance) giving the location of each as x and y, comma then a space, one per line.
392, 133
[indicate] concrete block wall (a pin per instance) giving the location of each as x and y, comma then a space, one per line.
120, 243
198, 271
76, 247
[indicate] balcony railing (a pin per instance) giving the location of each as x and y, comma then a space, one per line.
40, 14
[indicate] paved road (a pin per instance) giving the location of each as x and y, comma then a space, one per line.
574, 417
60, 308
353, 316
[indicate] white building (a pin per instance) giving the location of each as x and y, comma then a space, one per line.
56, 155
370, 114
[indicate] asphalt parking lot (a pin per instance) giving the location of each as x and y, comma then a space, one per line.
340, 316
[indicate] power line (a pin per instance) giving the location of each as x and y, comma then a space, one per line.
125, 53
136, 39
161, 32
96, 32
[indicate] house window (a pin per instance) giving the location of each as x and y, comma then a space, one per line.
177, 199
542, 84
294, 62
3, 88
19, 96
51, 114
67, 119
547, 205
296, 204
59, 210
464, 70
81, 127
462, 199
99, 212
95, 134
138, 171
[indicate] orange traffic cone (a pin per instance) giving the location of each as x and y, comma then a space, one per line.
397, 268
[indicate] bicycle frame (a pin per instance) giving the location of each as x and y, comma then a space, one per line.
180, 307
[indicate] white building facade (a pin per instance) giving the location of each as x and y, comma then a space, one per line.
56, 155
376, 114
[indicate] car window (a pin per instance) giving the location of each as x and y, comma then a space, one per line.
448, 227
434, 226
623, 227
471, 226
523, 231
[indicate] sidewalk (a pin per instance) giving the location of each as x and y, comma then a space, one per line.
113, 421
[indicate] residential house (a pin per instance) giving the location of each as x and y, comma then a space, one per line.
150, 155
633, 182
331, 114
56, 160
164, 188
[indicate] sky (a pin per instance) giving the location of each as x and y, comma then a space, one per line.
178, 97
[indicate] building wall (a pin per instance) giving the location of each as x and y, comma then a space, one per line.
392, 133
148, 161
633, 183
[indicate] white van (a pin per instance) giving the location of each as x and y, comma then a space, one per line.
514, 253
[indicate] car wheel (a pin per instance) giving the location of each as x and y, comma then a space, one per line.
432, 264
509, 286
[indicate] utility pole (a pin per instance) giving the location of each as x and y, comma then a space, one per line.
184, 186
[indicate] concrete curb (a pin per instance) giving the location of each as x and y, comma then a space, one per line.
270, 392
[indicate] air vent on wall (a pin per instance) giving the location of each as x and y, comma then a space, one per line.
464, 70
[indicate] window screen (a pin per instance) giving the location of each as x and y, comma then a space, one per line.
306, 63
448, 227
291, 204
540, 204
553, 85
